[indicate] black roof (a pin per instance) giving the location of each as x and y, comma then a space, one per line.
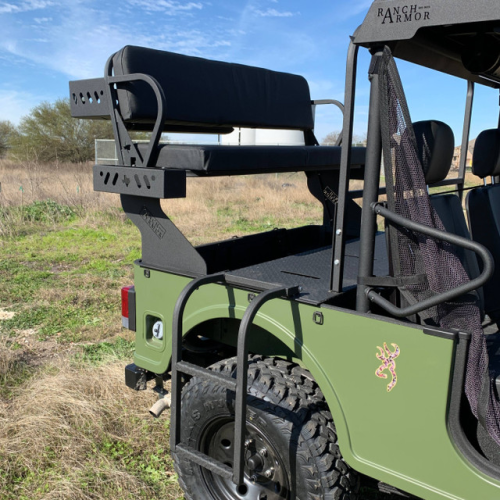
458, 37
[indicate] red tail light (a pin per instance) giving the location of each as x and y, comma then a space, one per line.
128, 307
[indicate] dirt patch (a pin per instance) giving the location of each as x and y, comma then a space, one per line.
33, 352
4, 314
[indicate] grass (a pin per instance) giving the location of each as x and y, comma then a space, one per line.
69, 428
76, 432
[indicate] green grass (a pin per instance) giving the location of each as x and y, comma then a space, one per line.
237, 219
64, 279
101, 352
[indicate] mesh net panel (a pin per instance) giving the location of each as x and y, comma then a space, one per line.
415, 254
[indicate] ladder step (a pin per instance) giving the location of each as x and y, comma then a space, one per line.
204, 373
205, 461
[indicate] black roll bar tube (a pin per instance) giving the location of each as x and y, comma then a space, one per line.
371, 186
339, 105
465, 137
119, 125
338, 245
484, 254
160, 118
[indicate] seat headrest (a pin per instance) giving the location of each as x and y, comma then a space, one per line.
486, 158
436, 144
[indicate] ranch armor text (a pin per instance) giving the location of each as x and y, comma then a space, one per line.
403, 14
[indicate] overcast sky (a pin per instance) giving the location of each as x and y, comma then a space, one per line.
46, 43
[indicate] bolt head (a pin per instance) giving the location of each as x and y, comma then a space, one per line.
338, 232
269, 473
337, 262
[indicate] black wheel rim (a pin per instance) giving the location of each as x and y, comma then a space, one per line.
265, 477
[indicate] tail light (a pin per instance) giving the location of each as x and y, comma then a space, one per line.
128, 307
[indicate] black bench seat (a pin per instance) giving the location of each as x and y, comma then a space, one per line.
157, 91
242, 160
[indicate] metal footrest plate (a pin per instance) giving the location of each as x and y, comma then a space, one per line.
205, 461
203, 373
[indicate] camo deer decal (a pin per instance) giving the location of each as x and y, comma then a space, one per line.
388, 363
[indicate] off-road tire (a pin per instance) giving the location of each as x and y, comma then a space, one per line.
286, 406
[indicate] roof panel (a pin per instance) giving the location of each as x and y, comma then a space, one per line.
439, 34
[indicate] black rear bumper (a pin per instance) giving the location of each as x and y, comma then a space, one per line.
137, 378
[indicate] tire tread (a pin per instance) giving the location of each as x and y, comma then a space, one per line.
299, 402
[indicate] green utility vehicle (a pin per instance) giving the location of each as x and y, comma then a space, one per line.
305, 362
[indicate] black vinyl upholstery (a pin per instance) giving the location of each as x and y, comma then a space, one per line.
435, 142
239, 160
449, 209
483, 210
486, 160
211, 94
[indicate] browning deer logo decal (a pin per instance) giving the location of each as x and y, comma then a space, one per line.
388, 363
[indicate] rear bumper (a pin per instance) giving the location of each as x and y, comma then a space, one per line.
137, 378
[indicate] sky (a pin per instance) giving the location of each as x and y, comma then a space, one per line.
46, 43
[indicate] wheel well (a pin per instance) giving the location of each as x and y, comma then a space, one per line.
222, 334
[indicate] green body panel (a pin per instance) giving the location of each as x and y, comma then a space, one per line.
399, 437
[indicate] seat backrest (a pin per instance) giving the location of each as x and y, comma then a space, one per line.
436, 143
202, 92
483, 211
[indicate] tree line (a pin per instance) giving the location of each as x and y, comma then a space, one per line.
49, 133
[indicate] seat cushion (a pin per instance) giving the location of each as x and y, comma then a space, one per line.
202, 92
238, 160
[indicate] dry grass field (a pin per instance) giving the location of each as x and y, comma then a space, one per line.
69, 428
213, 207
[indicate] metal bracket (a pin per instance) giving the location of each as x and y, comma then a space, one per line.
239, 385
146, 182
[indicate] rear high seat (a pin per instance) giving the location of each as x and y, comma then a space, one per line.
188, 94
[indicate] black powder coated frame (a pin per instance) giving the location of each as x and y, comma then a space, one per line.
480, 250
407, 40
237, 385
164, 247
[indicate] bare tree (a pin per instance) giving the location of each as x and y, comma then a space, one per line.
332, 138
359, 139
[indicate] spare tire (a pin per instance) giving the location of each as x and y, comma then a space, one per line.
291, 449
